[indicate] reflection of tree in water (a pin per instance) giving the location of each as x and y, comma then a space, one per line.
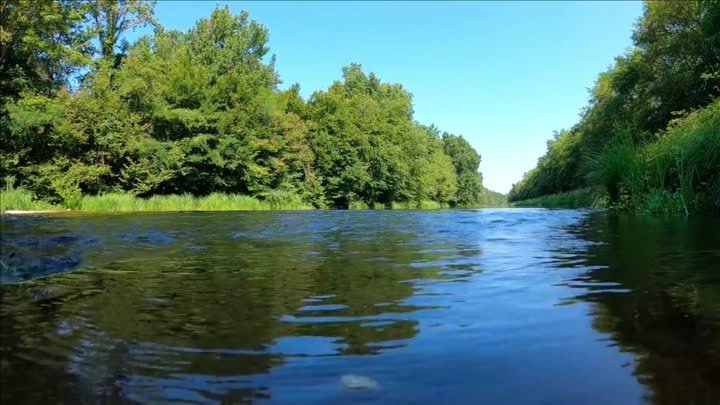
670, 318
212, 300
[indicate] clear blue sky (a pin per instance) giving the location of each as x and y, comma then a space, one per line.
503, 74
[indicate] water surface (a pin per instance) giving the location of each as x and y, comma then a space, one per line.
514, 306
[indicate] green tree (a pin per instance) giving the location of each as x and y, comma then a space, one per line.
112, 18
466, 161
363, 127
673, 70
200, 112
42, 43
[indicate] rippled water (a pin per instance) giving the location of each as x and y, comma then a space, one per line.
508, 307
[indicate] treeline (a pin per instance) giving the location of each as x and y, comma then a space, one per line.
651, 132
200, 112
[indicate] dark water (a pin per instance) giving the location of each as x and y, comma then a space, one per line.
457, 307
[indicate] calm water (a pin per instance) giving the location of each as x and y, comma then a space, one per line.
377, 307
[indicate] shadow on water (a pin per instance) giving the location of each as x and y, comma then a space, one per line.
445, 307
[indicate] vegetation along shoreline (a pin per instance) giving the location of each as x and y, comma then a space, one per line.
195, 119
650, 134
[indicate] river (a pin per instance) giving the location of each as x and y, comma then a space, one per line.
496, 306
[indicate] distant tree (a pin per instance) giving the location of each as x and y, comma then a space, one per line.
466, 161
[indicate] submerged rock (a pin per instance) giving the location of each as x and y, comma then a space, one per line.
359, 382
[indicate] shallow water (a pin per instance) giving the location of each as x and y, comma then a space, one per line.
514, 306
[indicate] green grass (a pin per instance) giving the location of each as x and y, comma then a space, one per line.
422, 205
414, 205
361, 205
400, 205
118, 202
591, 197
617, 167
678, 173
21, 199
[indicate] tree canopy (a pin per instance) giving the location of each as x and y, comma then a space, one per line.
201, 112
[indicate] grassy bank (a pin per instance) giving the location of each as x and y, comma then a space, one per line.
422, 205
591, 197
24, 200
187, 202
674, 172
677, 173
20, 199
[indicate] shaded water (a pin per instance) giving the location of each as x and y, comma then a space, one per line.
521, 306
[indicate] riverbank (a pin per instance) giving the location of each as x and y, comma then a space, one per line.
676, 173
21, 202
590, 197
650, 133
660, 202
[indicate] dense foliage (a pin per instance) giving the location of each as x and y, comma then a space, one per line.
651, 132
200, 112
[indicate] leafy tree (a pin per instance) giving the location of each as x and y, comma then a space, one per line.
208, 95
112, 18
363, 126
433, 168
466, 161
683, 57
200, 112
42, 43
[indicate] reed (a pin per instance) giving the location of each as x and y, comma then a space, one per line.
590, 197
24, 200
677, 173
119, 202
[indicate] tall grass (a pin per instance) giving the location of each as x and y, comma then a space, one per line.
415, 205
21, 199
686, 159
284, 200
616, 167
419, 205
361, 205
677, 173
591, 197
118, 202
400, 205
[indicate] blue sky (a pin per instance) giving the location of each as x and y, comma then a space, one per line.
502, 74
